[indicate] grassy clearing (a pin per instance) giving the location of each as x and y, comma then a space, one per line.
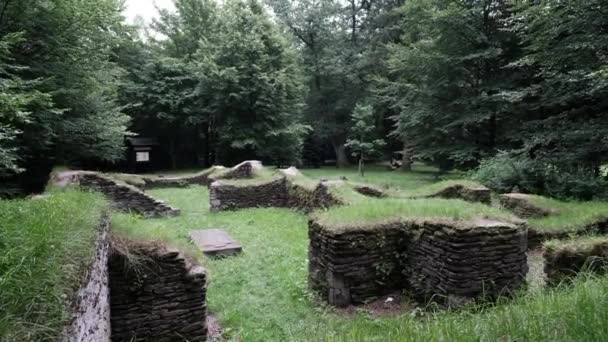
263, 295
572, 216
45, 245
373, 211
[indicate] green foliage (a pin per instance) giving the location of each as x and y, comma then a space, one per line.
252, 86
362, 142
58, 72
46, 245
509, 172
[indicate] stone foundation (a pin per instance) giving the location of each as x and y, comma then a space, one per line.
160, 297
369, 191
126, 197
479, 194
351, 267
307, 200
201, 178
243, 170
522, 206
223, 196
90, 320
456, 263
567, 259
445, 261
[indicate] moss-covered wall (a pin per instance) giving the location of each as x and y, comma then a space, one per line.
445, 261
161, 296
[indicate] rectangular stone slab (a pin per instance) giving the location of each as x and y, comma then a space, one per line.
215, 242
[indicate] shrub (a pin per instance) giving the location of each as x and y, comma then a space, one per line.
508, 172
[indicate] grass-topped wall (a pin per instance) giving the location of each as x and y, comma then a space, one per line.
552, 219
565, 259
443, 250
46, 247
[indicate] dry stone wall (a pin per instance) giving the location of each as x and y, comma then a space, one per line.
223, 196
126, 197
369, 191
350, 267
522, 206
568, 260
479, 194
307, 200
90, 321
446, 261
201, 178
161, 298
454, 263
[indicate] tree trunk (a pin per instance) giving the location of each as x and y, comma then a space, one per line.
406, 160
361, 166
172, 153
340, 150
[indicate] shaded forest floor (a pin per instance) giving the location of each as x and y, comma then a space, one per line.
263, 294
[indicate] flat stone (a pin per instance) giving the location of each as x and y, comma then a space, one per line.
215, 242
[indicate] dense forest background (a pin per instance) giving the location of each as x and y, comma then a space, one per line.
516, 91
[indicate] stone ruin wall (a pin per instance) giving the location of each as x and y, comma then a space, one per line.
470, 194
351, 267
279, 193
307, 200
90, 321
161, 298
224, 196
453, 264
435, 260
565, 263
126, 197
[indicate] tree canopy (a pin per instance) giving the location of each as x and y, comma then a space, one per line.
457, 83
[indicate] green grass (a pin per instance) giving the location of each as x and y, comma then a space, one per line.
45, 246
581, 244
380, 175
374, 211
572, 216
263, 295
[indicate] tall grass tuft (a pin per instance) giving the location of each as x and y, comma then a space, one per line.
45, 246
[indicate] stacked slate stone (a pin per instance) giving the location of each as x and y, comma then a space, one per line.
307, 200
478, 194
356, 265
126, 197
161, 299
223, 196
568, 259
369, 191
445, 261
243, 170
456, 262
201, 178
522, 206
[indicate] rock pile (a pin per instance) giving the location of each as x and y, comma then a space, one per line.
161, 298
462, 261
522, 206
448, 260
126, 197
